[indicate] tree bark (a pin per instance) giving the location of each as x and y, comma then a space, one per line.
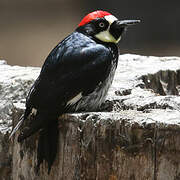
135, 136
106, 146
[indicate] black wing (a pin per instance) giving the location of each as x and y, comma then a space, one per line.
69, 70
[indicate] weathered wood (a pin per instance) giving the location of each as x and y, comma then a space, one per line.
106, 146
136, 136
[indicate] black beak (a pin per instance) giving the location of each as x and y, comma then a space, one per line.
118, 27
127, 22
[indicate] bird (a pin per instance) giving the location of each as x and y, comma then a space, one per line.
75, 77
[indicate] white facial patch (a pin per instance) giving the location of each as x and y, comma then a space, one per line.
75, 99
106, 36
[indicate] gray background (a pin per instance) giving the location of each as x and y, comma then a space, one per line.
30, 29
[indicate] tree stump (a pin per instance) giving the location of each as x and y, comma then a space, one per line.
135, 136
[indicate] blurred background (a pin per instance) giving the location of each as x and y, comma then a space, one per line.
30, 29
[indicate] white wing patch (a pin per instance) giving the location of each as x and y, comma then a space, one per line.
34, 111
75, 99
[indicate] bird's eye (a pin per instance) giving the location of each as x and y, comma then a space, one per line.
101, 24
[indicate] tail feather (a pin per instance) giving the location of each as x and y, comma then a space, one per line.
21, 120
32, 128
48, 138
47, 145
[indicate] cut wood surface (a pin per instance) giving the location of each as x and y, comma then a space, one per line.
135, 136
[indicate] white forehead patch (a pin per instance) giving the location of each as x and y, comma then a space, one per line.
110, 18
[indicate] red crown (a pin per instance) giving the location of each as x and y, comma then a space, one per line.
93, 15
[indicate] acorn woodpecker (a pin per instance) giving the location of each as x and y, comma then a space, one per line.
75, 77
